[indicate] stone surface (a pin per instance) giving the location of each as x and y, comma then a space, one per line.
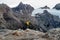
28, 34
22, 35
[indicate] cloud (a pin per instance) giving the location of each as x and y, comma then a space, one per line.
34, 3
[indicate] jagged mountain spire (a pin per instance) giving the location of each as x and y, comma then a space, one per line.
23, 7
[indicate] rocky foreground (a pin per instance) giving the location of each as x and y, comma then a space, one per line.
28, 34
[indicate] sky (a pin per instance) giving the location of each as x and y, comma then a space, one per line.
34, 3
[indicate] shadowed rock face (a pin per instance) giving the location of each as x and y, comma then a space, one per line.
47, 21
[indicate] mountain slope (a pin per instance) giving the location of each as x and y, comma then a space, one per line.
47, 21
8, 20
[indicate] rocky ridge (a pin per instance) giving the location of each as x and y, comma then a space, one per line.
47, 21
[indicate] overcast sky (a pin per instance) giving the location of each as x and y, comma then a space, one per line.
34, 3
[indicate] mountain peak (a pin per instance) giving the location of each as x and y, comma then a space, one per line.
20, 4
45, 7
45, 11
24, 7
57, 6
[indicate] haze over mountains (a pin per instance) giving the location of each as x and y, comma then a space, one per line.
54, 11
